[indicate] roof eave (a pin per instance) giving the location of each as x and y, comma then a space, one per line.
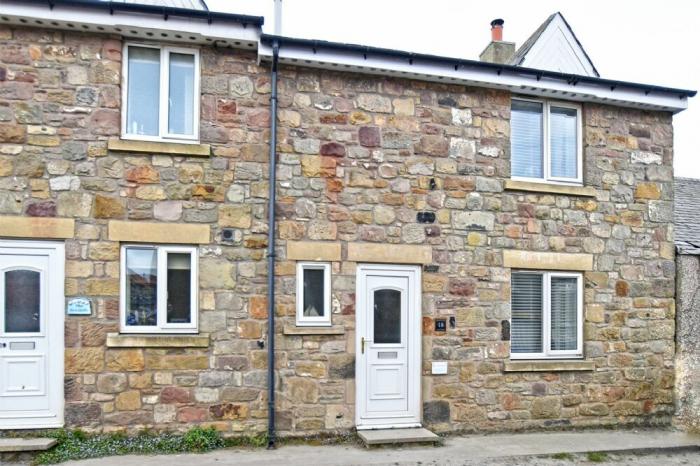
374, 60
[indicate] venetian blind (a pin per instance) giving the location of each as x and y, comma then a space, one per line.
526, 313
564, 313
526, 139
562, 142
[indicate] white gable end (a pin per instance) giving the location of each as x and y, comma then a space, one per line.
556, 49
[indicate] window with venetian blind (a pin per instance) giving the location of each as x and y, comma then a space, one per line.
546, 141
546, 315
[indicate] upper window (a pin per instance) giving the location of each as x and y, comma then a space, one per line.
158, 289
546, 315
161, 91
313, 293
546, 141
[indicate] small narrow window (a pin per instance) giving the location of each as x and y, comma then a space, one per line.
546, 141
313, 294
161, 92
158, 289
546, 315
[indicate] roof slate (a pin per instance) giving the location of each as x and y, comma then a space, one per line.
199, 5
686, 215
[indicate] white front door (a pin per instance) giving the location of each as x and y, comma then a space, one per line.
388, 346
31, 334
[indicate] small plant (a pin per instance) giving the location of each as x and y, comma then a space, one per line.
75, 445
597, 456
563, 456
199, 439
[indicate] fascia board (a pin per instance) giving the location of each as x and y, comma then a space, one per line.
341, 60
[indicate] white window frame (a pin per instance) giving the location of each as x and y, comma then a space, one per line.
547, 352
301, 319
162, 326
546, 156
163, 135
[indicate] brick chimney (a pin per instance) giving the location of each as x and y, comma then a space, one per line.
498, 51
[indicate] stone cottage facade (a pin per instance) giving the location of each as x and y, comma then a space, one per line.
378, 171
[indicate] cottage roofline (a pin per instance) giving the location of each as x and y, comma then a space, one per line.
233, 31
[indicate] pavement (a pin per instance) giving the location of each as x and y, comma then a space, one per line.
493, 449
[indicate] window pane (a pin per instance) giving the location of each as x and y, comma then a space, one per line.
387, 316
314, 293
179, 288
562, 142
181, 98
526, 139
564, 313
143, 93
141, 286
526, 308
22, 301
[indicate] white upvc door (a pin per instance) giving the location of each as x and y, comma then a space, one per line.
388, 346
31, 334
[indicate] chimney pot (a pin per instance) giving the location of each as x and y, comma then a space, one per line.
497, 30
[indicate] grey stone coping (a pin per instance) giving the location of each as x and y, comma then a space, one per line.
553, 365
291, 329
26, 444
118, 340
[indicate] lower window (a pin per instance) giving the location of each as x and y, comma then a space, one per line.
546, 315
313, 294
158, 289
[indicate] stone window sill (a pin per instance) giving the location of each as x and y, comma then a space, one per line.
582, 191
154, 147
294, 330
553, 365
119, 340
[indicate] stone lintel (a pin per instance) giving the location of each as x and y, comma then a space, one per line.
291, 329
151, 232
313, 251
548, 188
37, 227
547, 260
118, 340
390, 253
155, 147
549, 366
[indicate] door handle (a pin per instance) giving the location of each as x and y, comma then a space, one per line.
362, 344
3, 345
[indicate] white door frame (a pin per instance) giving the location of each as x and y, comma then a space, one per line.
54, 328
414, 343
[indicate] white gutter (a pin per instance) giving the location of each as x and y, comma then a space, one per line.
131, 25
346, 60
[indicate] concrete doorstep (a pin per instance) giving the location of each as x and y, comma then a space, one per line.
16, 445
456, 450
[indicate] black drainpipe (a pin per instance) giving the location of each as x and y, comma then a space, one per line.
271, 255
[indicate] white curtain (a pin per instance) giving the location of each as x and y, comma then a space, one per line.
562, 142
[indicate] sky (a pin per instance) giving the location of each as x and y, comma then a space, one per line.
643, 41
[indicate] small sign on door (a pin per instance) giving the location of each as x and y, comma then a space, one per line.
79, 307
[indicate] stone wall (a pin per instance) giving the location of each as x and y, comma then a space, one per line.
360, 157
687, 341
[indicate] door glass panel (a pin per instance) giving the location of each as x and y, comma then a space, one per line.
22, 301
387, 316
141, 286
313, 293
179, 288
